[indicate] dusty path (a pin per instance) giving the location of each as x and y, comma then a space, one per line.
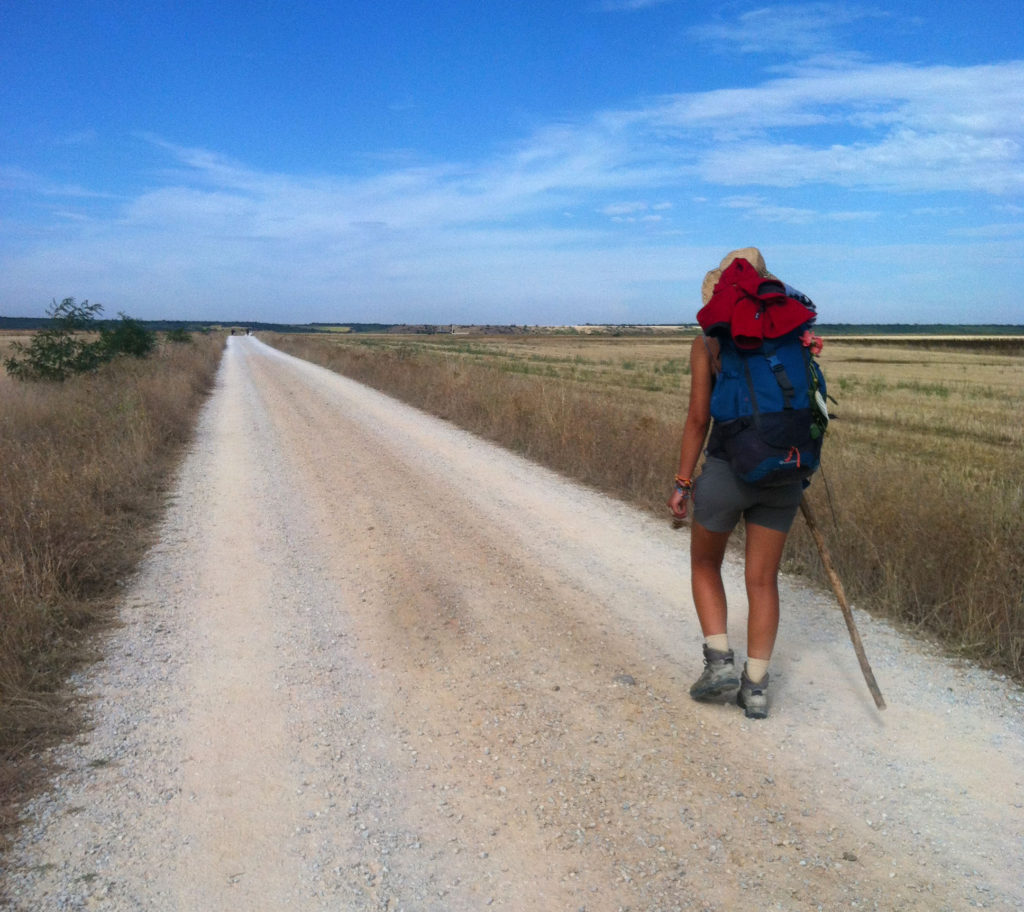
378, 664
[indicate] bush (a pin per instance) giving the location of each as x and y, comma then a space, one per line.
58, 351
129, 337
65, 347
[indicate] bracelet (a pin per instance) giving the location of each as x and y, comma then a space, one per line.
685, 484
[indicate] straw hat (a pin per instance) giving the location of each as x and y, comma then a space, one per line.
751, 254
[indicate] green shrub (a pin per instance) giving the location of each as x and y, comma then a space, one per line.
67, 346
129, 337
59, 350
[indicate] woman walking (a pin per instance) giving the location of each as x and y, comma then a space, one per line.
718, 499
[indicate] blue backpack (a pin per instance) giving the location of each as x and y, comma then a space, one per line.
769, 409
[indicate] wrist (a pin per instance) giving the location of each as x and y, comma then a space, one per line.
684, 483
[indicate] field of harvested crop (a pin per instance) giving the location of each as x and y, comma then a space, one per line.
8, 338
921, 489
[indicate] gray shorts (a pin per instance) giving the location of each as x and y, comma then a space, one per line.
720, 499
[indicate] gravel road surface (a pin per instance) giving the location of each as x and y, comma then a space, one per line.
375, 663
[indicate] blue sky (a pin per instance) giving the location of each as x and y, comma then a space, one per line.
557, 162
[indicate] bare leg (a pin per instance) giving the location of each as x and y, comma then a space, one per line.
707, 550
764, 554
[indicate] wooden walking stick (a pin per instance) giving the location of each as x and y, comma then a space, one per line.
837, 587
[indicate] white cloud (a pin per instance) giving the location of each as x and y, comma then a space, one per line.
22, 181
523, 226
979, 100
785, 30
905, 162
853, 215
80, 138
625, 208
760, 209
939, 211
614, 6
902, 129
909, 129
1003, 230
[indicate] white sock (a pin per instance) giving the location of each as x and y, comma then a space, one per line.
757, 669
718, 641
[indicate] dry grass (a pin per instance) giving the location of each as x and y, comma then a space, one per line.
84, 468
924, 463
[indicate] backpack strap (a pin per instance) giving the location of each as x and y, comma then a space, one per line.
714, 356
778, 369
779, 372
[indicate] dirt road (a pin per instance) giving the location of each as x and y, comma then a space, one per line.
378, 664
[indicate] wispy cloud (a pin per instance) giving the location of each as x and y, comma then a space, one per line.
80, 138
628, 5
625, 208
499, 226
891, 127
998, 230
22, 181
762, 209
786, 30
906, 128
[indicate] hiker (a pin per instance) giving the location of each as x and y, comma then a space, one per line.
718, 497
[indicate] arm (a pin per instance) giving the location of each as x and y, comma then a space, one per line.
698, 419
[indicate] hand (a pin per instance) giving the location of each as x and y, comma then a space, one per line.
679, 503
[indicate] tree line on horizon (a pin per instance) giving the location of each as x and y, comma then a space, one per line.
29, 324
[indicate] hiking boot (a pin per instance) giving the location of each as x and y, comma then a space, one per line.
753, 698
719, 675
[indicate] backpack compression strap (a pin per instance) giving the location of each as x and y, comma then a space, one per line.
781, 377
778, 370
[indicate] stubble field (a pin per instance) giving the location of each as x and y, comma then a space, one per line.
921, 490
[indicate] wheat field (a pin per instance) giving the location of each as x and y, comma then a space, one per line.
923, 477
